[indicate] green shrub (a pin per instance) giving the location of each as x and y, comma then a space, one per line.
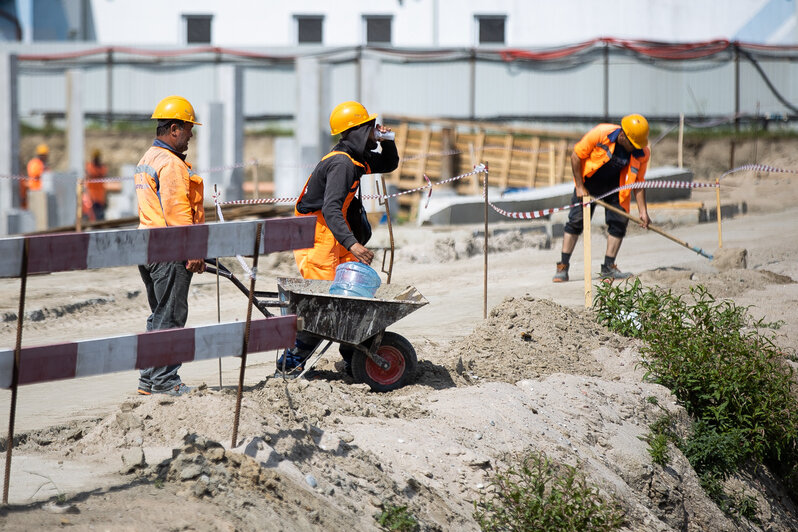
731, 379
544, 496
397, 518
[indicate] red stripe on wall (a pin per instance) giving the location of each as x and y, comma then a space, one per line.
283, 234
169, 244
272, 333
57, 253
48, 363
165, 348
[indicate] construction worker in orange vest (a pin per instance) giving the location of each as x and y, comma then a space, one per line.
332, 196
607, 157
169, 193
36, 167
95, 189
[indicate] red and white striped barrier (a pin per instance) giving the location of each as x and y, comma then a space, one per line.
157, 348
104, 249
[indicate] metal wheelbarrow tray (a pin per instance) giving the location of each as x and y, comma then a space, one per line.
384, 360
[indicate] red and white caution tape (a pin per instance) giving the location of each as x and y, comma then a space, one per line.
758, 168
528, 215
381, 197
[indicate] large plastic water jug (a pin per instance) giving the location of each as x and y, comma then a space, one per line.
355, 279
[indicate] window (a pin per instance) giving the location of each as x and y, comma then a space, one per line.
198, 29
309, 29
378, 29
490, 29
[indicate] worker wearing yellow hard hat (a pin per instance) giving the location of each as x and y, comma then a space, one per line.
169, 193
607, 157
332, 195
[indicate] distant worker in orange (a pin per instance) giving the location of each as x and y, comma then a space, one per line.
607, 157
36, 167
95, 189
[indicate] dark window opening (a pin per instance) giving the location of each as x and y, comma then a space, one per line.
378, 29
198, 29
491, 29
309, 29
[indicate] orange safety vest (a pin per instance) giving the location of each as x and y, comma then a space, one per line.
596, 149
320, 261
169, 192
95, 189
36, 168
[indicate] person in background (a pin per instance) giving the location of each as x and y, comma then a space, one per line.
169, 193
36, 167
95, 189
607, 157
332, 195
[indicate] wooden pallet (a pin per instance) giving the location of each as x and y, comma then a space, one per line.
517, 158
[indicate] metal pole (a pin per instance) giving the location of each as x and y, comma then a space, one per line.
109, 87
472, 89
606, 82
681, 140
218, 300
485, 249
255, 179
15, 371
717, 197
390, 231
586, 243
245, 345
736, 103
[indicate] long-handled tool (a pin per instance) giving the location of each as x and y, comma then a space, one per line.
655, 229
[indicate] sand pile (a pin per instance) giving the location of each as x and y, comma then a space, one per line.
529, 338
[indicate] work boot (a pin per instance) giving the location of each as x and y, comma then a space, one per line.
562, 273
612, 272
292, 362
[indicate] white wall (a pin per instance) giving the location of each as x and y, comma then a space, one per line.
530, 22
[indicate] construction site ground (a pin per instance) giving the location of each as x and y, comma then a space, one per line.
327, 454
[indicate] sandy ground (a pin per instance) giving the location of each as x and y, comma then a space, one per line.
328, 454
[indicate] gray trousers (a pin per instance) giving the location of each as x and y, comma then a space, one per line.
167, 293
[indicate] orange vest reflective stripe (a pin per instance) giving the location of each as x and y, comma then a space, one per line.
596, 149
169, 192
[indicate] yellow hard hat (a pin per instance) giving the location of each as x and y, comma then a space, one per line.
42, 149
96, 153
175, 108
348, 115
636, 129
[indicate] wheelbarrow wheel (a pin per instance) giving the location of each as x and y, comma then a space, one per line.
401, 356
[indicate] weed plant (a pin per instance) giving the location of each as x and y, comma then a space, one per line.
544, 496
397, 518
729, 376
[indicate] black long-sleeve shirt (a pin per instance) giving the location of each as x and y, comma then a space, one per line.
333, 178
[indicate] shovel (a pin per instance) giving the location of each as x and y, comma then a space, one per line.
655, 229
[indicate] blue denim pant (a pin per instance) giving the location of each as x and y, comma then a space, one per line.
167, 293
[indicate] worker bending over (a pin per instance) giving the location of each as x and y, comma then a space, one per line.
607, 157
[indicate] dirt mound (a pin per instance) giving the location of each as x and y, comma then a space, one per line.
723, 284
530, 338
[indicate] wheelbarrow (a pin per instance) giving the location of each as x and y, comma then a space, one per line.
382, 359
